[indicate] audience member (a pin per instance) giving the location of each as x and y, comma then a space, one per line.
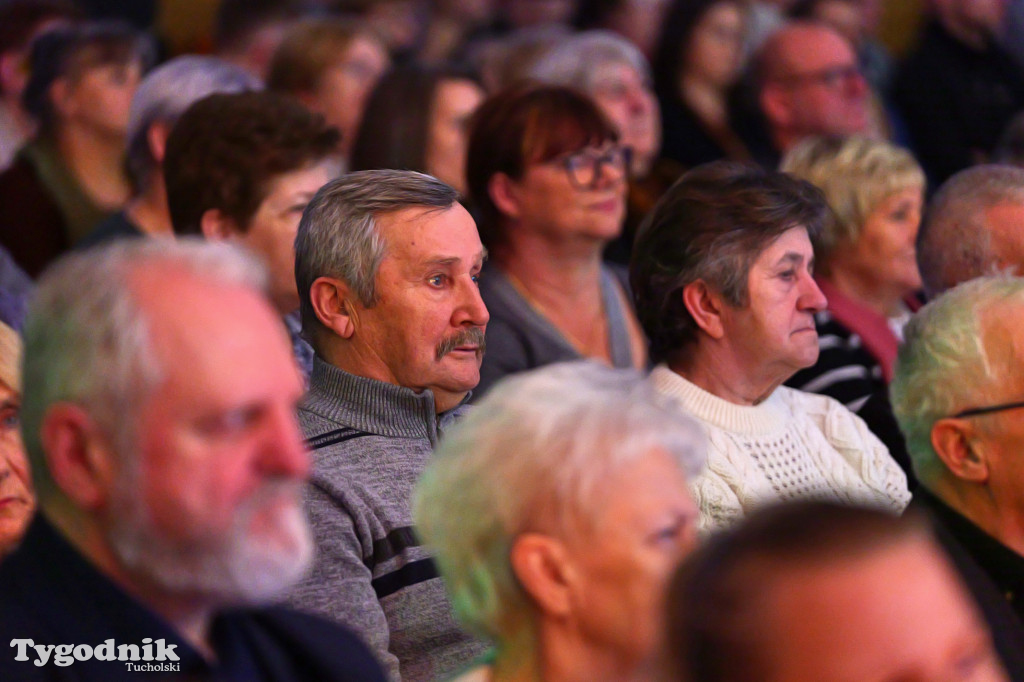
956, 394
506, 61
638, 21
247, 32
699, 60
71, 175
242, 167
973, 227
169, 467
161, 98
571, 486
331, 66
450, 26
865, 261
387, 264
722, 276
20, 22
853, 19
548, 178
17, 501
807, 82
418, 119
616, 75
958, 89
810, 592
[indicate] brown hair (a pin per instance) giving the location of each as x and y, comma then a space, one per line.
714, 615
308, 49
225, 150
711, 225
523, 125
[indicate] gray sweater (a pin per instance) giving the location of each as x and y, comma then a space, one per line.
370, 442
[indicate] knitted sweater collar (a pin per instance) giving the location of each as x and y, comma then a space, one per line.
765, 418
374, 406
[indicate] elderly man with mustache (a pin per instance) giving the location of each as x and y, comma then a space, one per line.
387, 264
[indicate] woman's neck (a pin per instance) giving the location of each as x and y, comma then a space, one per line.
716, 370
149, 211
554, 274
706, 100
96, 163
871, 293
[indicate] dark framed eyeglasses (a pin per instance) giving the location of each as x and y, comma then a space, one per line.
831, 78
584, 167
975, 411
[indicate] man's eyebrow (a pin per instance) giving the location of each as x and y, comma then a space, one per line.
452, 260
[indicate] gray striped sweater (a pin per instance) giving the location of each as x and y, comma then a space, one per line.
370, 441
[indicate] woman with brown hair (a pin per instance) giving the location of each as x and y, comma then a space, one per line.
548, 178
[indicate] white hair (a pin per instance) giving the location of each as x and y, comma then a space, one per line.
945, 366
537, 452
578, 60
86, 340
164, 95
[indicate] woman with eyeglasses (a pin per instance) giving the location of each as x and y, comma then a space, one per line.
548, 178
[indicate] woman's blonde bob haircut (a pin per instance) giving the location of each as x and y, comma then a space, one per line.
856, 174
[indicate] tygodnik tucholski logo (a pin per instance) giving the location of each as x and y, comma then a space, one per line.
152, 656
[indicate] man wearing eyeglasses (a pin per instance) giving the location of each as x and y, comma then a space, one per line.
809, 84
958, 394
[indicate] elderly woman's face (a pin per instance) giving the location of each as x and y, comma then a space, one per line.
645, 525
628, 100
16, 499
774, 335
885, 251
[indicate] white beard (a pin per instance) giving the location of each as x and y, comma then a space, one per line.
241, 568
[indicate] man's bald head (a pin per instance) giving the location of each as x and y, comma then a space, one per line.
974, 227
810, 84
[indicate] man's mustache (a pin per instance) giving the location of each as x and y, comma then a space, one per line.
471, 336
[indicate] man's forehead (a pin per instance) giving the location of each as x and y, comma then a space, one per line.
811, 47
427, 233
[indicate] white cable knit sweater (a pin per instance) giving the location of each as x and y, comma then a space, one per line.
792, 445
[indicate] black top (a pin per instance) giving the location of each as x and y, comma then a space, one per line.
956, 100
992, 572
52, 595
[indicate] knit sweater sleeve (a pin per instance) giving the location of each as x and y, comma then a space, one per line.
866, 454
340, 587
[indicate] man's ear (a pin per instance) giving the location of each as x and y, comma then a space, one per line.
542, 565
504, 194
775, 104
156, 138
333, 303
952, 441
217, 227
79, 456
705, 307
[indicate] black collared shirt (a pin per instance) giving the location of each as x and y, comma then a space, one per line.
1004, 566
52, 595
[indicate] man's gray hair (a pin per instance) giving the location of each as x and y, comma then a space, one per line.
87, 340
954, 243
536, 455
164, 95
338, 235
579, 60
944, 365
